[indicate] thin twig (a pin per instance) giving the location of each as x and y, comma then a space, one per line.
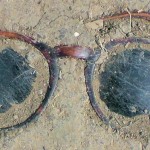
130, 19
99, 43
143, 15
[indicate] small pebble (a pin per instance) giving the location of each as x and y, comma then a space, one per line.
40, 92
60, 74
76, 34
15, 117
146, 111
133, 109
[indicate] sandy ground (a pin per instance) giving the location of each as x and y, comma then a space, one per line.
69, 122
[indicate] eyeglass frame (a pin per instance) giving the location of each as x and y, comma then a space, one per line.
89, 55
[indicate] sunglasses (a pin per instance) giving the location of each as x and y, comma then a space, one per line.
85, 53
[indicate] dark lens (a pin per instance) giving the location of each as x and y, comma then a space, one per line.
125, 82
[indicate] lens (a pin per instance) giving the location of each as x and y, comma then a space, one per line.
121, 76
24, 78
125, 82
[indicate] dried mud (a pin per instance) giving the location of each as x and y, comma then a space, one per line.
69, 122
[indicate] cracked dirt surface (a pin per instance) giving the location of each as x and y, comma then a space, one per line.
69, 122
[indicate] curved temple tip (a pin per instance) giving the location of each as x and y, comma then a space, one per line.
74, 51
